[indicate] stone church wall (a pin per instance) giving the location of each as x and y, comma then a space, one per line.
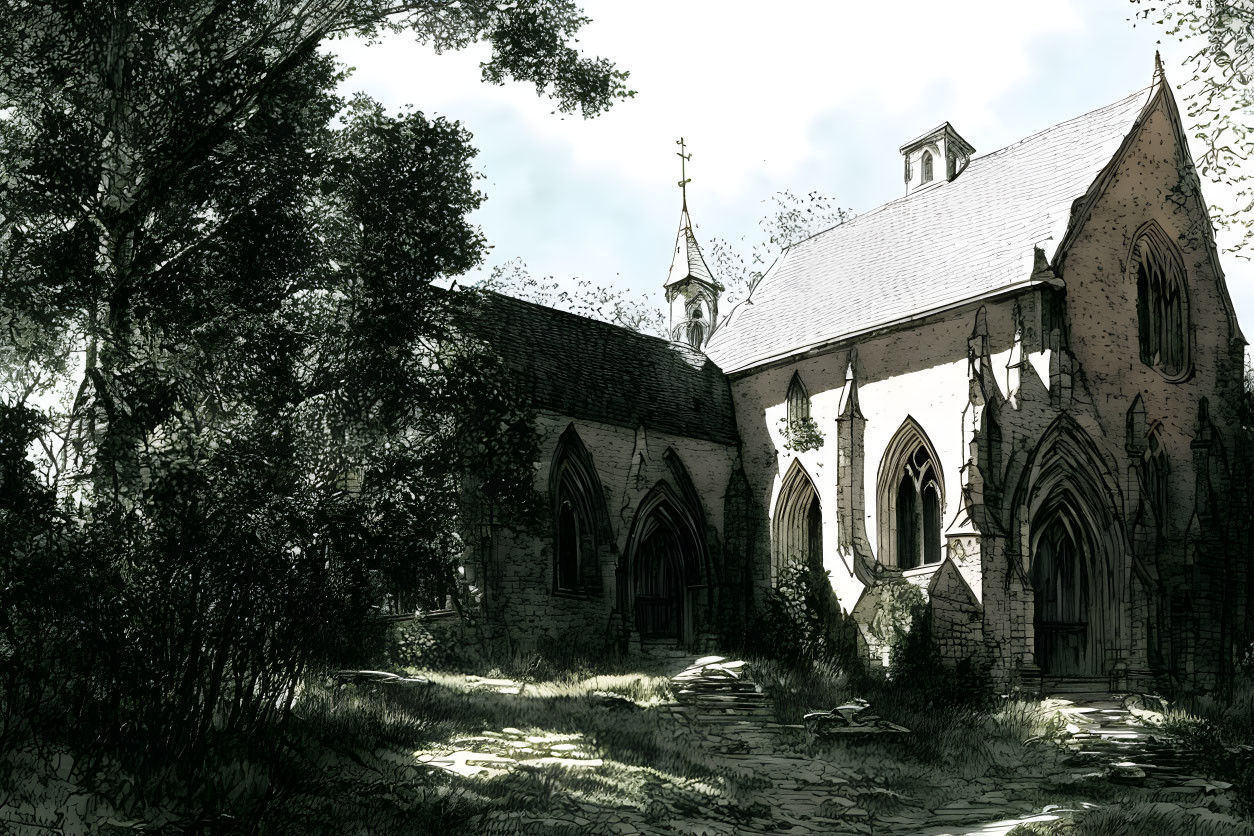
919, 373
1153, 183
527, 611
1176, 598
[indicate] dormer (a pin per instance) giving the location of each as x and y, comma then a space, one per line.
938, 156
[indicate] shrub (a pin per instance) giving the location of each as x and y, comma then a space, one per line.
802, 623
917, 670
801, 434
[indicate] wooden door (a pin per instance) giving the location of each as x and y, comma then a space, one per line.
1062, 619
659, 587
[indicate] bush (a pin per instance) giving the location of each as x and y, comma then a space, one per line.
432, 646
917, 670
802, 624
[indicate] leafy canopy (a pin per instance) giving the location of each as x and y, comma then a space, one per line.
236, 413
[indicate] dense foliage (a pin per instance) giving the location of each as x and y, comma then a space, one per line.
801, 623
235, 416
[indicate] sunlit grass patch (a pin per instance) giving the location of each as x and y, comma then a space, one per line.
1136, 819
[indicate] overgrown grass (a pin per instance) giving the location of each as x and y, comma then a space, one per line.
797, 690
1140, 819
354, 759
976, 735
1221, 732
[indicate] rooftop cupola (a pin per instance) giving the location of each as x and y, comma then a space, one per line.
938, 156
691, 289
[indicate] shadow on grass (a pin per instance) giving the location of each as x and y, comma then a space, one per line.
352, 754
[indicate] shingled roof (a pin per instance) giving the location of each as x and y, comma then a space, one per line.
584, 368
936, 248
687, 261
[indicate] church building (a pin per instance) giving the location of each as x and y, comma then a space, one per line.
1015, 388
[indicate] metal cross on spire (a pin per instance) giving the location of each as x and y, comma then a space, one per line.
684, 180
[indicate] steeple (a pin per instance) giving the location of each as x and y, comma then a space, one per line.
691, 289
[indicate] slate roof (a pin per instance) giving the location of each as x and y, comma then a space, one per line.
687, 261
936, 248
591, 370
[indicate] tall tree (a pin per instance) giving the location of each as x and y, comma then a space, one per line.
215, 279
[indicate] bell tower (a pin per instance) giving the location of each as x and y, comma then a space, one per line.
691, 290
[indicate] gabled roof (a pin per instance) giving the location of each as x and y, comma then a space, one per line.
584, 368
687, 262
931, 250
943, 129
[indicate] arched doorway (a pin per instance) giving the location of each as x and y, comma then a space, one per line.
660, 587
1063, 622
1076, 566
665, 560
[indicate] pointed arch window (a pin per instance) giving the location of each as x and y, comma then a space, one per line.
926, 166
580, 520
696, 327
993, 441
568, 547
1161, 303
798, 403
797, 524
911, 500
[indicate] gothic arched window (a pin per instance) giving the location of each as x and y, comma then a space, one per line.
1161, 303
567, 547
580, 519
927, 168
797, 524
798, 402
911, 499
993, 440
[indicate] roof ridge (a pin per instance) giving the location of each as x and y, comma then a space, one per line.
1087, 114
598, 322
877, 267
981, 158
896, 200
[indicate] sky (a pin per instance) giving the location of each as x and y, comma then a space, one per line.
806, 96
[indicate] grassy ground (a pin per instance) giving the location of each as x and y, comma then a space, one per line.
355, 763
1223, 733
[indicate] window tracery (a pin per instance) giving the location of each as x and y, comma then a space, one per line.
911, 500
1162, 304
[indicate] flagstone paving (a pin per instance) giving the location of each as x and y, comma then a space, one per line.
781, 788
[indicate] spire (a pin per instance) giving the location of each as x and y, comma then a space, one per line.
691, 289
1159, 76
688, 262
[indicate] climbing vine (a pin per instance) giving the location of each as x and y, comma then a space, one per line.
801, 434
899, 601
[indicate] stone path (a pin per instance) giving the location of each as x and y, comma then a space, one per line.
779, 788
1117, 734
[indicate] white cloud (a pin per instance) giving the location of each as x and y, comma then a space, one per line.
744, 82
